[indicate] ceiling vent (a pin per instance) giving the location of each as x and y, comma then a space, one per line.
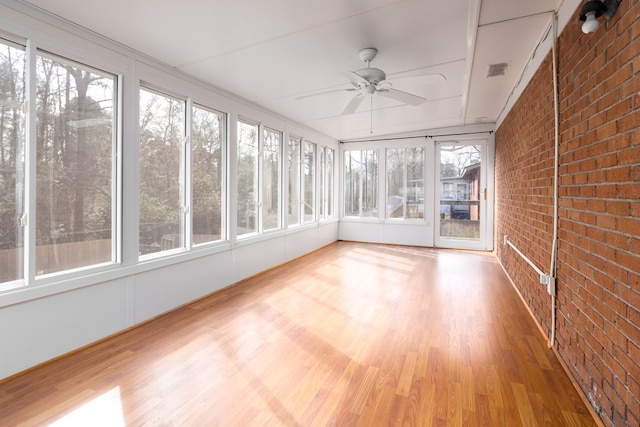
495, 70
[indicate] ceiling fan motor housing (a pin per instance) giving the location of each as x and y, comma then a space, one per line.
372, 75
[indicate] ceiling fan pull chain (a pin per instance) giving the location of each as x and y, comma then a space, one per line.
371, 111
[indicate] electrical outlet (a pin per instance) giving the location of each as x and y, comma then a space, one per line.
505, 239
544, 279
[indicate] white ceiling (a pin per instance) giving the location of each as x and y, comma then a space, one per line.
272, 52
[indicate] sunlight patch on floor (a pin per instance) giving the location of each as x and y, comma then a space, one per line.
105, 410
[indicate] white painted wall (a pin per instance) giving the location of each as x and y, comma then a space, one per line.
38, 330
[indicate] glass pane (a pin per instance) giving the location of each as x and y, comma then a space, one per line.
361, 183
395, 183
326, 183
271, 180
12, 179
405, 183
162, 131
309, 181
352, 172
460, 191
323, 182
247, 213
294, 181
370, 183
207, 137
415, 183
329, 198
74, 149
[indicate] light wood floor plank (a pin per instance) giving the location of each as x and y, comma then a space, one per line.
351, 335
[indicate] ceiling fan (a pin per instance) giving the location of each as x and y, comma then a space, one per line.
370, 81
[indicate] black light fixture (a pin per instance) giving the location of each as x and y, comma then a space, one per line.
594, 9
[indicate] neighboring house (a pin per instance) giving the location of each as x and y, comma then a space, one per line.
460, 195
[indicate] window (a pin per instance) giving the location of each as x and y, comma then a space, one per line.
271, 180
74, 162
247, 213
462, 192
302, 181
12, 161
295, 164
405, 183
208, 137
447, 190
309, 177
361, 183
75, 152
326, 182
329, 175
161, 192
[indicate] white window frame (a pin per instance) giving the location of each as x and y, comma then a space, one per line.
297, 201
30, 278
184, 184
312, 217
224, 143
363, 177
261, 179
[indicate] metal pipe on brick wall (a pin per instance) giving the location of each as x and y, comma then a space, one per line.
554, 245
550, 279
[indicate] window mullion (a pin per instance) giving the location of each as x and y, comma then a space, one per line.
404, 183
259, 180
361, 182
301, 180
29, 239
186, 176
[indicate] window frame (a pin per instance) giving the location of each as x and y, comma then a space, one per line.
312, 197
183, 183
404, 184
115, 170
327, 183
298, 170
363, 178
256, 180
263, 178
21, 176
224, 193
259, 180
31, 281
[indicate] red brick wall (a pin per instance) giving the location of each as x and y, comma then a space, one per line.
598, 270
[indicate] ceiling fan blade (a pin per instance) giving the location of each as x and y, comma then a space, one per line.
401, 96
385, 84
310, 95
353, 105
356, 80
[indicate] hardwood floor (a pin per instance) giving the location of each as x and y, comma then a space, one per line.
351, 335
